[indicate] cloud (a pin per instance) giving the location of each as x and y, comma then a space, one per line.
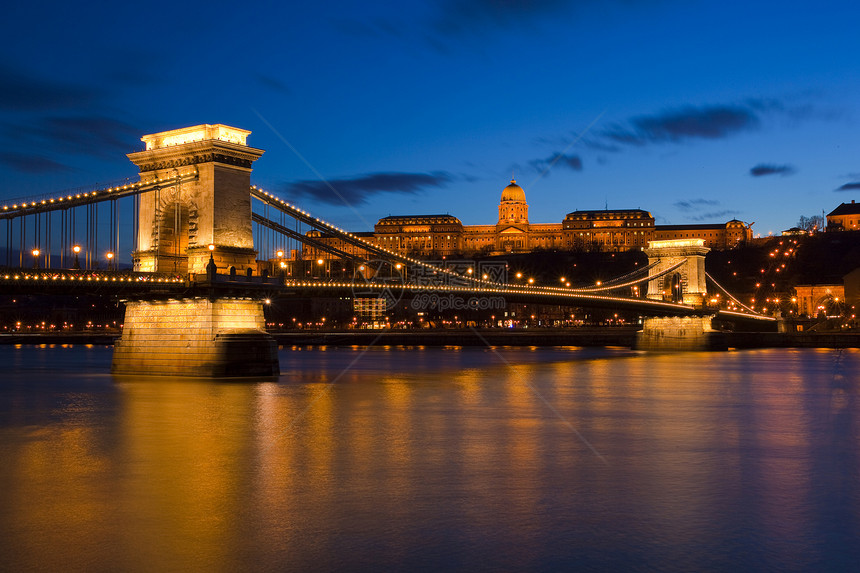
849, 187
706, 122
719, 215
357, 190
20, 91
35, 164
695, 204
597, 144
573, 162
763, 169
93, 135
91, 132
273, 84
674, 126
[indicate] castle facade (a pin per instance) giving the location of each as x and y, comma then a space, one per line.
609, 230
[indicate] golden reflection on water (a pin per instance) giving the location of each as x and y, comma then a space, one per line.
397, 456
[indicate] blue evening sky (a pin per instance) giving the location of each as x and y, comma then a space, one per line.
696, 111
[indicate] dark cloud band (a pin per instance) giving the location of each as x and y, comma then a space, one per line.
357, 190
763, 169
849, 187
572, 162
709, 122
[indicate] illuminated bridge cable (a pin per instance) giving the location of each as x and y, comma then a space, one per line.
611, 287
623, 278
728, 294
320, 225
349, 238
29, 207
276, 227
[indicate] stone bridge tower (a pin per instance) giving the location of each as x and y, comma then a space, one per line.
179, 221
205, 201
686, 284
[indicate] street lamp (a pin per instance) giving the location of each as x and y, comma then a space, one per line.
110, 260
280, 254
211, 267
36, 254
77, 250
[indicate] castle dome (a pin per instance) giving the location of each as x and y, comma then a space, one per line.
513, 192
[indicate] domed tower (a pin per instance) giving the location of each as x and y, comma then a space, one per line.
513, 207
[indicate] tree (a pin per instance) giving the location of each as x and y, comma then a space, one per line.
814, 223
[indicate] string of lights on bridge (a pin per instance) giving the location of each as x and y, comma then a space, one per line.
352, 286
90, 277
97, 194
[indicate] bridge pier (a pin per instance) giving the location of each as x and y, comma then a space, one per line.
679, 333
224, 337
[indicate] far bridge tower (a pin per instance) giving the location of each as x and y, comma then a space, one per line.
686, 284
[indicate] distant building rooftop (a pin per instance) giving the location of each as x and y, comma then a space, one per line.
851, 208
420, 219
701, 227
608, 213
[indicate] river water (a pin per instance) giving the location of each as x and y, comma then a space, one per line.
424, 459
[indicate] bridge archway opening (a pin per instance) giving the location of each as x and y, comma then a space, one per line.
673, 288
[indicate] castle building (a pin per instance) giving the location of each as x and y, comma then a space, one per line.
718, 236
423, 235
614, 230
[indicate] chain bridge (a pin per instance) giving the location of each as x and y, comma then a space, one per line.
208, 248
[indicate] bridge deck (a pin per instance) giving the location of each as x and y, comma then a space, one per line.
134, 285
